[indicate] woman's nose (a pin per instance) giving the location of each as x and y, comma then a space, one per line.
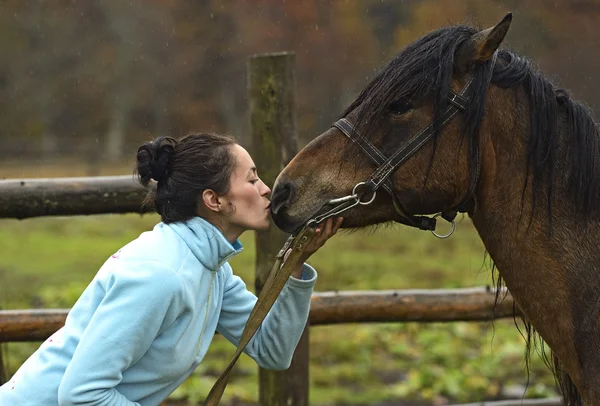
266, 190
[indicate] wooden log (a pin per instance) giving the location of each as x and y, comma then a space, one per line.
440, 305
24, 198
274, 143
467, 304
30, 325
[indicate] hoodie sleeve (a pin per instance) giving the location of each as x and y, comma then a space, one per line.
273, 345
137, 305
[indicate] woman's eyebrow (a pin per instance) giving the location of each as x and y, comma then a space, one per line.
252, 171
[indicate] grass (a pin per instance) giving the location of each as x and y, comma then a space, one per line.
48, 261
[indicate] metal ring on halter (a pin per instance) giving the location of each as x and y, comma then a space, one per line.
367, 202
442, 236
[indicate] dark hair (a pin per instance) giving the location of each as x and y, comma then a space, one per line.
183, 170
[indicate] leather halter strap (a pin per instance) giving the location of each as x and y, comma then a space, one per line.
386, 166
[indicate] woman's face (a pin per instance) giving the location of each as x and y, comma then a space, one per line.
247, 197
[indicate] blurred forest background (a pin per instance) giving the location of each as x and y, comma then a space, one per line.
93, 79
83, 83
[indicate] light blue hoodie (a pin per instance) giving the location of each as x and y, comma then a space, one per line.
146, 321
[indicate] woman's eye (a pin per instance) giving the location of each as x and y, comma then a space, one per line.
400, 107
253, 181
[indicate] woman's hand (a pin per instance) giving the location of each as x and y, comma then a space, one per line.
323, 232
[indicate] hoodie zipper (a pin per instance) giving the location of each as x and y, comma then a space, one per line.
210, 289
208, 301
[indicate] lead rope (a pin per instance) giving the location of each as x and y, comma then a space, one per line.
280, 272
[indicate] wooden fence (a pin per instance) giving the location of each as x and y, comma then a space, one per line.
271, 98
444, 305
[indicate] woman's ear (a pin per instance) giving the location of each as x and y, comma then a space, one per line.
211, 200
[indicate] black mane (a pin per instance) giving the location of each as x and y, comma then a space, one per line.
425, 68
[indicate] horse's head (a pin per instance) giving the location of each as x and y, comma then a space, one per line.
415, 91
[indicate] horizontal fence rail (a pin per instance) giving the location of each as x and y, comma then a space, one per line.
412, 305
441, 305
26, 198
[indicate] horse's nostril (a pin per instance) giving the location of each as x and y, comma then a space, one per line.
281, 196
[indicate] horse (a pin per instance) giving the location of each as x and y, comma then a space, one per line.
456, 124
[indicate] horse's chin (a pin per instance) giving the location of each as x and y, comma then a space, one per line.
351, 220
293, 225
286, 224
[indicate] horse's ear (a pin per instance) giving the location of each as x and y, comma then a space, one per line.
482, 45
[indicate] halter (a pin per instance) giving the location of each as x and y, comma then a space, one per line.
386, 166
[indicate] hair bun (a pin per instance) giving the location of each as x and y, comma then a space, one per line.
153, 159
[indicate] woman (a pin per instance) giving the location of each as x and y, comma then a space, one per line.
146, 320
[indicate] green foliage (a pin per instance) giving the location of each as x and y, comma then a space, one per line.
48, 262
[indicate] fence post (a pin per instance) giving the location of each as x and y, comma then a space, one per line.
271, 86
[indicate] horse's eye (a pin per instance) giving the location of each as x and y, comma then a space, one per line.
400, 107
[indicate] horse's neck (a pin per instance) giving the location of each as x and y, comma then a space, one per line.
504, 212
554, 277
504, 207
533, 254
